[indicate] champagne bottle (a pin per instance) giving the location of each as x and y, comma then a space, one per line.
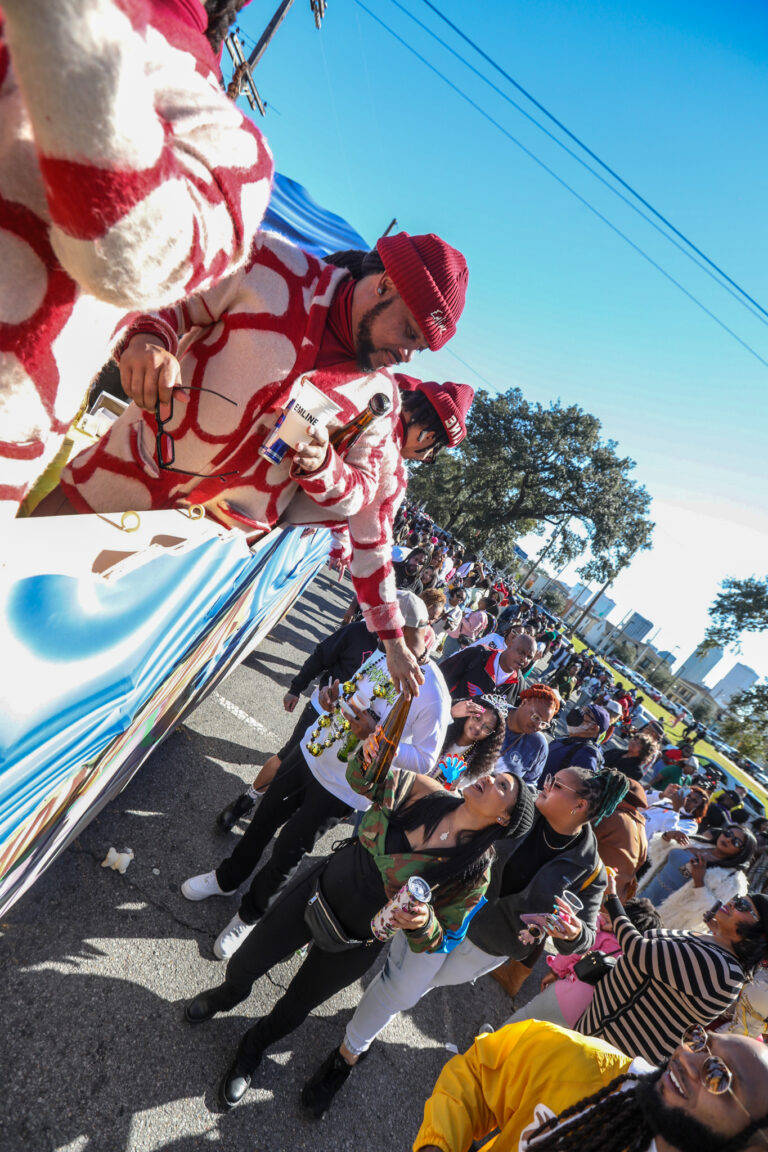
342, 439
389, 739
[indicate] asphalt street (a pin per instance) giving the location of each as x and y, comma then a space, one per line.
95, 1055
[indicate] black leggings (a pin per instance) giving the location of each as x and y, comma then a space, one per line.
277, 935
305, 810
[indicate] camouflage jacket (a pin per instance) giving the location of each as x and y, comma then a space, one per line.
452, 901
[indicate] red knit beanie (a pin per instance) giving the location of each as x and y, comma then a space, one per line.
450, 401
432, 279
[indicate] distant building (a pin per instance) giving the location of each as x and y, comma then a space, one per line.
581, 595
636, 628
696, 668
739, 679
690, 694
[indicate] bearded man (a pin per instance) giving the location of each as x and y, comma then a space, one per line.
547, 1088
242, 346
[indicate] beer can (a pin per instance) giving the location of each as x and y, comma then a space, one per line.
413, 893
274, 448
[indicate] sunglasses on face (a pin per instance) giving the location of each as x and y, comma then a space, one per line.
715, 1074
552, 782
744, 904
733, 836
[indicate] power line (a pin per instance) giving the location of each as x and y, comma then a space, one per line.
594, 155
493, 387
667, 275
579, 160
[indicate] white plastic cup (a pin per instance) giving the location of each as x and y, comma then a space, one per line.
309, 407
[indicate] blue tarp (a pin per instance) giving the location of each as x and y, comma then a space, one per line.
294, 214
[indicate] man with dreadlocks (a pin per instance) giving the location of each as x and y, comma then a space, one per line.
243, 348
549, 1089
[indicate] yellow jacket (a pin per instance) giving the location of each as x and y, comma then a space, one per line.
514, 1079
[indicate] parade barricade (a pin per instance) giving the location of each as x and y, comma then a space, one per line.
112, 629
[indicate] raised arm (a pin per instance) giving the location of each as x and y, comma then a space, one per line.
162, 186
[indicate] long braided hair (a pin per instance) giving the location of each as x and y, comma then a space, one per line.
357, 262
603, 790
608, 1121
221, 16
614, 1121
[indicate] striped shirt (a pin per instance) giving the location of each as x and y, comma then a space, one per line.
664, 981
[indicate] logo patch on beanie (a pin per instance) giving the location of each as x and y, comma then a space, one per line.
453, 428
438, 319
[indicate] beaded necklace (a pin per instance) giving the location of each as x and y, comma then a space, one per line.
334, 725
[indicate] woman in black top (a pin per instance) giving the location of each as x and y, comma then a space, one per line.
413, 827
639, 753
559, 853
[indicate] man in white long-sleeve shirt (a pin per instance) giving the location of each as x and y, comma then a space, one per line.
310, 792
674, 813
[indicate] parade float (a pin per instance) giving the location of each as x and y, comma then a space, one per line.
114, 627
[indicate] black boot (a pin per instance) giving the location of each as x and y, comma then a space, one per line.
207, 1004
230, 815
319, 1091
237, 1079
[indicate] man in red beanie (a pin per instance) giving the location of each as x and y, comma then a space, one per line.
242, 347
433, 417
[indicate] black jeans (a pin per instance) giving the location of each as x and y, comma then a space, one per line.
308, 716
305, 810
277, 935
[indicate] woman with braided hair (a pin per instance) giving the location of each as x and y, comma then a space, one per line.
530, 875
551, 1090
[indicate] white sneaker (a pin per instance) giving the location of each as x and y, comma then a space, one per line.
229, 940
203, 886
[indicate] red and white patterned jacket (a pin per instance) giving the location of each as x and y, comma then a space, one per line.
127, 180
251, 338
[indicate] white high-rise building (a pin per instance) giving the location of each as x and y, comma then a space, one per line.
738, 679
696, 667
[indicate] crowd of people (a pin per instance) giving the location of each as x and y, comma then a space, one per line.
565, 845
476, 843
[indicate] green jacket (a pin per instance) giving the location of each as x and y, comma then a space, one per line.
451, 901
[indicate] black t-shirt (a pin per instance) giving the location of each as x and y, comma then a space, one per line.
630, 765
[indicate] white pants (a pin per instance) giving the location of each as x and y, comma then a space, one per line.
544, 1006
405, 978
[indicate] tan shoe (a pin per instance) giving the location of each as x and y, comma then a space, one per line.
511, 976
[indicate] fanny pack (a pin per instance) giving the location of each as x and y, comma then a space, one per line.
593, 966
326, 930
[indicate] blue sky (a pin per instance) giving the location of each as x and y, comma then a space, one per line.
672, 95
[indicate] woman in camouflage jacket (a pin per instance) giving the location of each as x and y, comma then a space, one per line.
414, 827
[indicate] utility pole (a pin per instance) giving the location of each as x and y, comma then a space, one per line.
269, 32
242, 78
591, 605
552, 541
